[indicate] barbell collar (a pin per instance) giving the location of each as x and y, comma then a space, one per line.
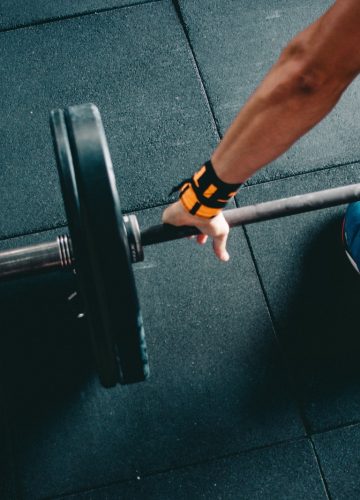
260, 212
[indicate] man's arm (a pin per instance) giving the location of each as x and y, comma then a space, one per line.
301, 88
298, 92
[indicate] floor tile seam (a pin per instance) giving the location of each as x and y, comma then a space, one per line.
325, 430
185, 467
286, 362
44, 229
321, 472
280, 178
51, 20
14, 483
173, 199
215, 123
64, 226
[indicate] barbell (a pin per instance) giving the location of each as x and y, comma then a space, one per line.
103, 243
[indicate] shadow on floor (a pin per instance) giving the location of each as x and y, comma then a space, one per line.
319, 329
46, 355
221, 405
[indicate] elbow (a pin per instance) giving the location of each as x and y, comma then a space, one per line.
299, 76
295, 83
305, 74
310, 80
309, 75
313, 80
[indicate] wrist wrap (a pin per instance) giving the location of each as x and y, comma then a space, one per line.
205, 195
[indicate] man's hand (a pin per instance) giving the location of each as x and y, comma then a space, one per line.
217, 228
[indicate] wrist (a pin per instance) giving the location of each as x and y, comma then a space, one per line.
205, 194
223, 166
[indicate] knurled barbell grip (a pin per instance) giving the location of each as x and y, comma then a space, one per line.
31, 259
260, 212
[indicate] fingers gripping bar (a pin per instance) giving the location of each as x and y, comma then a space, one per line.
261, 212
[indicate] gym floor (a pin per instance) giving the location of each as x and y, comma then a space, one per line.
255, 376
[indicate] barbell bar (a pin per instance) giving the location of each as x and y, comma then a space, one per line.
58, 254
103, 244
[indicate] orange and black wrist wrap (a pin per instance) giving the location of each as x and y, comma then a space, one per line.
205, 195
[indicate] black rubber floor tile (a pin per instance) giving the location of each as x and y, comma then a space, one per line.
338, 451
135, 65
15, 13
217, 382
236, 43
313, 294
280, 472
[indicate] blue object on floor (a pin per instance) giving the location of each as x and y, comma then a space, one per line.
351, 233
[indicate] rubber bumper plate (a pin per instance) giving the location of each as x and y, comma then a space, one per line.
100, 246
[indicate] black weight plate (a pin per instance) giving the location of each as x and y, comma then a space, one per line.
106, 242
103, 349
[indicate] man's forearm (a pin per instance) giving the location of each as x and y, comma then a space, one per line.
267, 126
300, 89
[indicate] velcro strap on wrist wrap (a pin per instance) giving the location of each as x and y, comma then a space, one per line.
205, 195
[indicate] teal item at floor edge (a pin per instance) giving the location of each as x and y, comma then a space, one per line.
351, 234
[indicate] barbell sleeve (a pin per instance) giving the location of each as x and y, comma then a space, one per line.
260, 212
36, 258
